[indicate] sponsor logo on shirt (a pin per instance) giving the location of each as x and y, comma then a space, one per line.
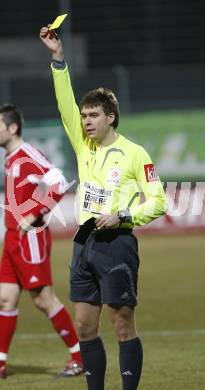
96, 199
114, 176
150, 173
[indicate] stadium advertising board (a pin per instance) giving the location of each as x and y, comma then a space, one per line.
186, 213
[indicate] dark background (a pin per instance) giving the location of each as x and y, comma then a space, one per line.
151, 52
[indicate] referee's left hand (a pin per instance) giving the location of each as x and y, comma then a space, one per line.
107, 221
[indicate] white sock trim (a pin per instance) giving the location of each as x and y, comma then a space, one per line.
3, 356
75, 348
10, 313
56, 311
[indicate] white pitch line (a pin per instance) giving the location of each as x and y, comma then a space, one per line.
169, 332
156, 333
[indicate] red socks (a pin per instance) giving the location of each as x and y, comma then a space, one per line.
8, 321
63, 324
61, 321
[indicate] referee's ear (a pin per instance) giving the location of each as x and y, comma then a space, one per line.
111, 118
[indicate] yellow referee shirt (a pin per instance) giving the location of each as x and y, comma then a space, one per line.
113, 177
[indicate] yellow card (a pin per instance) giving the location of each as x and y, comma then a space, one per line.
57, 22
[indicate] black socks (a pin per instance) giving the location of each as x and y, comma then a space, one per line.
94, 361
131, 357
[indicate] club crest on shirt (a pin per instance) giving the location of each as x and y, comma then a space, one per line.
150, 173
114, 176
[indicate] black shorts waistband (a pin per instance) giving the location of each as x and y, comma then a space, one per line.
89, 229
115, 231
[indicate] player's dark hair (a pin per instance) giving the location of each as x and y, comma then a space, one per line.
106, 99
11, 114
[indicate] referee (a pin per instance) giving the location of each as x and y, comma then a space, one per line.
119, 189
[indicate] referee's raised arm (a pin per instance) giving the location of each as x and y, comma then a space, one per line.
67, 106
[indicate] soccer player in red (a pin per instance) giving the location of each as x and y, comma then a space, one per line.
33, 186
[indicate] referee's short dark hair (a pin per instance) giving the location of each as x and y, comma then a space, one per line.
11, 114
102, 97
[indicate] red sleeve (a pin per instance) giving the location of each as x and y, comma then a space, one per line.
44, 184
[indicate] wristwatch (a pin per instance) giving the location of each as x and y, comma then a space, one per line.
124, 216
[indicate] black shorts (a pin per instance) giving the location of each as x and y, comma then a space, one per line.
104, 268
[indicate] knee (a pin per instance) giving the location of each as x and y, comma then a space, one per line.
45, 300
38, 303
6, 304
120, 328
123, 326
86, 330
3, 303
41, 304
9, 296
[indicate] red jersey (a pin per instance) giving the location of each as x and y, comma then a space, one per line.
27, 174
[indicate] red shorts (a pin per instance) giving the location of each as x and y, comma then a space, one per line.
26, 260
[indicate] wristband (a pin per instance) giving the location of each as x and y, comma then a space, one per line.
59, 64
124, 216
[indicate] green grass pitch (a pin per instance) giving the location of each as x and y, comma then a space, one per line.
170, 318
